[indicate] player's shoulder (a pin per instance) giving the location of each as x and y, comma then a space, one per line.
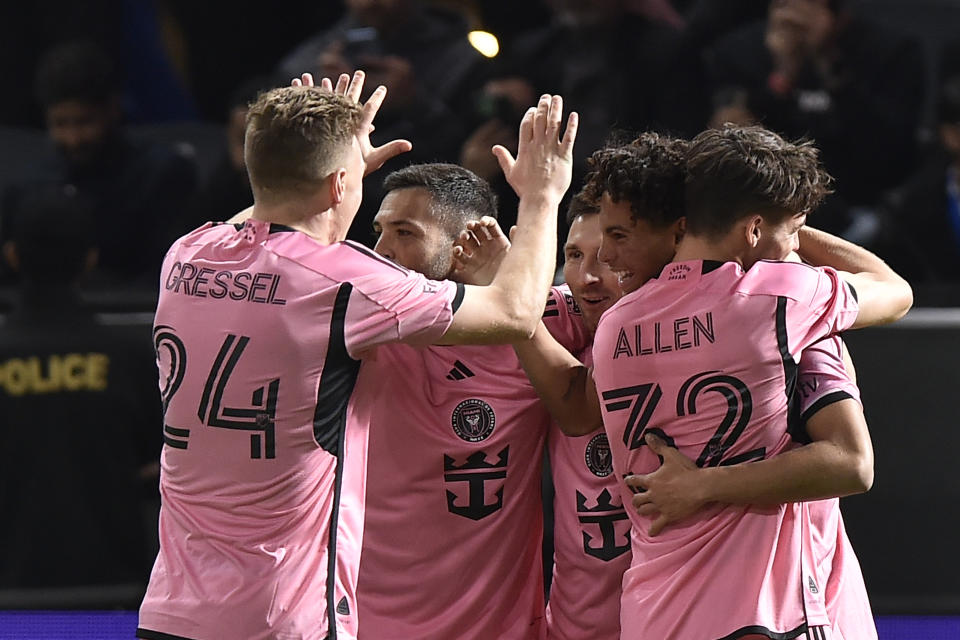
207, 230
626, 305
205, 234
559, 299
344, 261
794, 280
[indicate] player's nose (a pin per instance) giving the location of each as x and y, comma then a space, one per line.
383, 249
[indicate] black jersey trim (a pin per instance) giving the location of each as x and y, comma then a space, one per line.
329, 425
276, 227
376, 256
458, 298
334, 521
147, 634
337, 380
773, 635
825, 401
794, 425
710, 265
853, 291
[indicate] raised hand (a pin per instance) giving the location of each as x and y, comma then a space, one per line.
671, 492
544, 162
352, 87
478, 251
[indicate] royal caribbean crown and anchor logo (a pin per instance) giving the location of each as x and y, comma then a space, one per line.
473, 420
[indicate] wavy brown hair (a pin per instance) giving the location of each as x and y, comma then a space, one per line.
649, 173
735, 172
295, 137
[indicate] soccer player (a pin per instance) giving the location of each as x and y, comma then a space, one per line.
619, 231
704, 357
260, 331
591, 531
453, 525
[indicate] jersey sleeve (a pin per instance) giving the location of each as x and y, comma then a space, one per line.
825, 305
812, 302
822, 378
564, 321
390, 304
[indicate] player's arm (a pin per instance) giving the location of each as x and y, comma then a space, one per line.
882, 295
839, 462
564, 384
509, 309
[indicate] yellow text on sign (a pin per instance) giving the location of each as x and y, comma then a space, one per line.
54, 373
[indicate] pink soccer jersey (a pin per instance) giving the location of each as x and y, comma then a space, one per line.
453, 533
591, 537
258, 331
705, 356
822, 381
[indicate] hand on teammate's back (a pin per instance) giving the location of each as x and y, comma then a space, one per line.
669, 493
544, 161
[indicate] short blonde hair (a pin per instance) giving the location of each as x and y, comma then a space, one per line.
295, 137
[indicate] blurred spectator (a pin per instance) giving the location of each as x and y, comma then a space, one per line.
814, 69
136, 188
29, 29
227, 191
81, 416
922, 239
619, 63
949, 60
422, 55
708, 20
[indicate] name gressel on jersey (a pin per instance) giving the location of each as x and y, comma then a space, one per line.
247, 286
264, 463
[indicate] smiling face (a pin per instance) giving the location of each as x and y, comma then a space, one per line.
635, 250
411, 235
592, 283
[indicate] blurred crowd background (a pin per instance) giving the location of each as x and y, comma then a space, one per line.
122, 128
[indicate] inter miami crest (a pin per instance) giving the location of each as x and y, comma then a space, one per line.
473, 420
597, 456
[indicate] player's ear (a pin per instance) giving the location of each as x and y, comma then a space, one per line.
679, 230
753, 230
338, 186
